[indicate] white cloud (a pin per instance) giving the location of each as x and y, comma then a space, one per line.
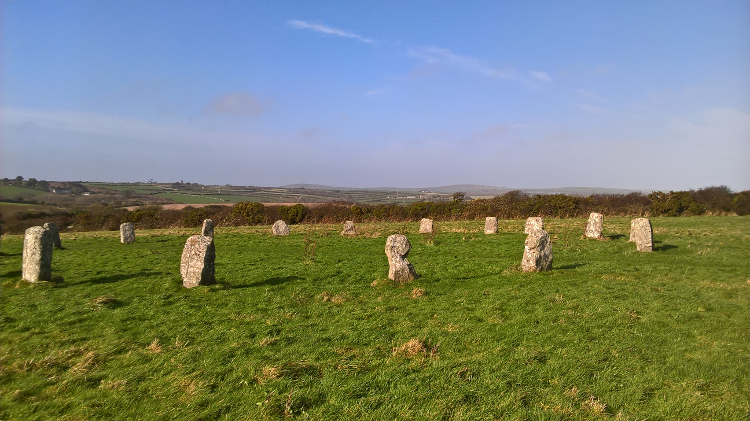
315, 27
237, 103
544, 77
593, 109
434, 55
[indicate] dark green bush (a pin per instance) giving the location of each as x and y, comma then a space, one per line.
248, 213
293, 214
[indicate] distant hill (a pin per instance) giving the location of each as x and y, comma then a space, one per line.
480, 190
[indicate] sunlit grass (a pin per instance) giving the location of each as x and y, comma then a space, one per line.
608, 333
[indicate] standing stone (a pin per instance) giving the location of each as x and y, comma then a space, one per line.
37, 255
208, 228
280, 228
52, 228
349, 228
399, 269
533, 223
127, 233
197, 265
594, 226
490, 225
537, 252
642, 234
425, 226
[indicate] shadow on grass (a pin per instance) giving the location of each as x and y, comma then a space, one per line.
269, 282
12, 275
116, 278
568, 267
664, 247
2, 253
615, 236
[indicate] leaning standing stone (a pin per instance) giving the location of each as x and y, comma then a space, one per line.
197, 265
490, 225
399, 269
280, 228
642, 234
127, 233
52, 228
594, 226
208, 228
425, 226
533, 223
537, 252
37, 255
349, 228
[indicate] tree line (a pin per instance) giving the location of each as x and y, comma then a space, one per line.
514, 204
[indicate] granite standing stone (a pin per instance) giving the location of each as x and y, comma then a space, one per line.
594, 226
425, 226
197, 264
208, 228
280, 228
642, 234
533, 223
490, 225
37, 255
349, 228
127, 233
399, 269
537, 252
52, 228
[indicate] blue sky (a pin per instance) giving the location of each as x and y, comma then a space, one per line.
642, 95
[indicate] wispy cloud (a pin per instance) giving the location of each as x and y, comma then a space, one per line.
237, 103
316, 27
593, 109
544, 77
444, 56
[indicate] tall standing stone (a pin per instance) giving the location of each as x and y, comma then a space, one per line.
490, 225
349, 228
537, 252
37, 255
399, 269
280, 228
533, 223
425, 226
594, 226
52, 228
208, 228
642, 234
197, 264
127, 233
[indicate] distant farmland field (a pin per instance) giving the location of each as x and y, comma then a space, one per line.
609, 333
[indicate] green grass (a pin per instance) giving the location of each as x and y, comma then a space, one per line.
190, 198
14, 192
609, 333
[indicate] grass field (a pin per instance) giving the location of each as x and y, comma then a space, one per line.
14, 192
609, 333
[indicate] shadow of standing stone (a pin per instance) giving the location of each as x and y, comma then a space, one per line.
37, 255
197, 264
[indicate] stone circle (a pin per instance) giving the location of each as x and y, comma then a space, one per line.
490, 225
127, 233
197, 264
52, 228
280, 228
537, 252
533, 223
208, 228
425, 226
37, 255
349, 228
642, 234
594, 226
399, 269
